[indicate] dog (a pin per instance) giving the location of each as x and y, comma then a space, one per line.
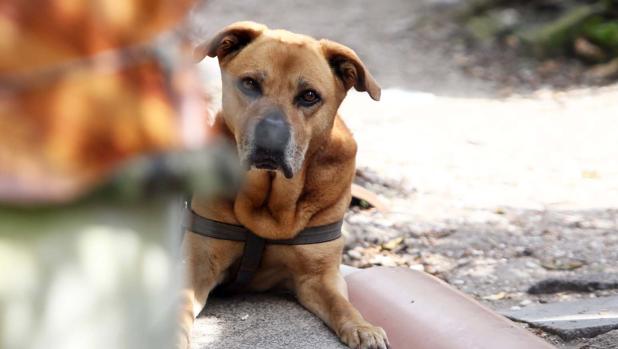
280, 98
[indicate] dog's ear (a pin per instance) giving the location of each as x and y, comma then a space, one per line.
229, 40
350, 69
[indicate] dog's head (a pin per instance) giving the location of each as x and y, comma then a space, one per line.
281, 91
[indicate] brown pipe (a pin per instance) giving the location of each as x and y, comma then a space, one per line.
419, 311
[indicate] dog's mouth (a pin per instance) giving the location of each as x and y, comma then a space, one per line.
269, 162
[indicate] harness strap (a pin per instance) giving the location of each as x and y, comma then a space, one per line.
249, 264
254, 245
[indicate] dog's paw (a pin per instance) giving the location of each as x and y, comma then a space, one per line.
364, 336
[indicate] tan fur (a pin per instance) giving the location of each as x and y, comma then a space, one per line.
270, 205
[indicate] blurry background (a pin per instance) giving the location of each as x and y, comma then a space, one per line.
494, 145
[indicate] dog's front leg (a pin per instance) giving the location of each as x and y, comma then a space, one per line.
187, 316
326, 296
206, 263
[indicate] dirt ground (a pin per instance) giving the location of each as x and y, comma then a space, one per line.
492, 195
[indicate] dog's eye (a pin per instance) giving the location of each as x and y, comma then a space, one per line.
308, 98
250, 87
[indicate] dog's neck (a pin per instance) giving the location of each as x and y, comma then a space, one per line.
278, 208
267, 203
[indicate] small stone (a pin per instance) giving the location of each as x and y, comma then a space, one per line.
437, 262
386, 261
589, 51
604, 71
417, 267
525, 302
410, 241
355, 254
522, 251
244, 317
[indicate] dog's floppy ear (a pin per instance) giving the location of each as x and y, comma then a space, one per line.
350, 69
229, 40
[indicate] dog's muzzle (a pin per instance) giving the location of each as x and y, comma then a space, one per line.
270, 143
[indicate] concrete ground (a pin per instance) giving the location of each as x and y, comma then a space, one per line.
260, 321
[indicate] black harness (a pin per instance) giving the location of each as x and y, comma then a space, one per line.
254, 245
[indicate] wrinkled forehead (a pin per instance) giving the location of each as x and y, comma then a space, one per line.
284, 56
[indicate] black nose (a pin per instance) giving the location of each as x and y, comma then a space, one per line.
272, 133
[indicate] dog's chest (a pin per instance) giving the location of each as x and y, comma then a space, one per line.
283, 266
277, 267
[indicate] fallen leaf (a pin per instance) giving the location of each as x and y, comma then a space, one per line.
369, 198
392, 244
496, 297
563, 264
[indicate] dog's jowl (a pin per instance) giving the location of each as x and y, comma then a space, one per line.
281, 94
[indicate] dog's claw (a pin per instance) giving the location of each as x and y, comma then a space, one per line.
364, 336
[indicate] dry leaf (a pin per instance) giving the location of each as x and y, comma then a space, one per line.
392, 244
496, 297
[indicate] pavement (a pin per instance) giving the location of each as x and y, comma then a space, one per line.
571, 320
256, 321
260, 322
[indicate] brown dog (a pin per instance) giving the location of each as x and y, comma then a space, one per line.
281, 94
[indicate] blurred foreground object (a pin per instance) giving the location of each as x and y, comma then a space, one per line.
85, 86
101, 126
